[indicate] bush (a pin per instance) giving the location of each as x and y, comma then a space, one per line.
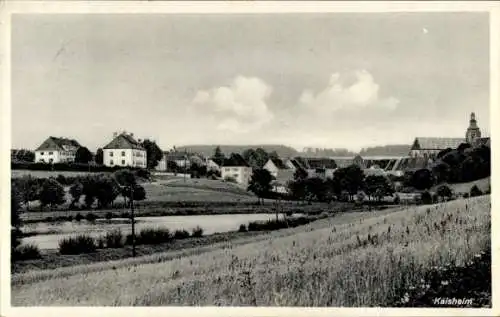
125, 214
77, 245
78, 217
197, 232
181, 234
151, 236
114, 239
465, 195
26, 252
397, 200
475, 191
109, 215
243, 228
426, 198
90, 217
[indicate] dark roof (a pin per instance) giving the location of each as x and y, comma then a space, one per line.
302, 162
235, 160
58, 144
124, 141
436, 143
279, 163
314, 163
218, 161
296, 164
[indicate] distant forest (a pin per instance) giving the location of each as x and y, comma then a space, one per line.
287, 151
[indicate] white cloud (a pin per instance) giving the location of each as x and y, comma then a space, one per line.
240, 107
362, 94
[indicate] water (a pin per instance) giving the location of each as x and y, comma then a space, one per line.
51, 233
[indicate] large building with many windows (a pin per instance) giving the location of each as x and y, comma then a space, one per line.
124, 150
57, 150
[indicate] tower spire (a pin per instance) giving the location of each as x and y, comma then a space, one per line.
473, 132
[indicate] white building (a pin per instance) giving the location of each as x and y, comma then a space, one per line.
56, 150
124, 150
236, 168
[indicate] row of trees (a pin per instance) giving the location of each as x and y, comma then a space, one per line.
345, 185
101, 189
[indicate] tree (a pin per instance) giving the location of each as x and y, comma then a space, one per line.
76, 191
426, 198
107, 189
83, 155
441, 171
422, 179
475, 191
350, 179
15, 220
260, 183
218, 153
378, 186
463, 146
25, 155
316, 188
444, 191
153, 152
51, 193
28, 188
99, 156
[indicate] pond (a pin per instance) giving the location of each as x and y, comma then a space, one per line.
49, 234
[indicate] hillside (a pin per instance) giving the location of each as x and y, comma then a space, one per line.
392, 150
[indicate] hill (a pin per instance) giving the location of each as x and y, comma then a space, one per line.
391, 150
208, 150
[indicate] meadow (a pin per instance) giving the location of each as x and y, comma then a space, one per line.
364, 261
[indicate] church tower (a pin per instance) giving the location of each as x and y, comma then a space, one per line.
473, 131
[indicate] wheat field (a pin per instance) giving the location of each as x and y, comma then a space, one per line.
363, 262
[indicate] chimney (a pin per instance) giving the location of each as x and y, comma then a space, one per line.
131, 134
115, 134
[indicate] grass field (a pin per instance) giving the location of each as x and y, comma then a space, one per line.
361, 262
47, 174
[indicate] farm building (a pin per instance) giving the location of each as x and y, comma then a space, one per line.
236, 168
57, 150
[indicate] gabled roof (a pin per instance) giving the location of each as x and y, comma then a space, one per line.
296, 164
436, 143
284, 176
124, 141
235, 160
278, 163
217, 161
302, 162
58, 144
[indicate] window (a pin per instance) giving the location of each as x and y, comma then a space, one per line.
111, 162
123, 153
123, 162
41, 153
227, 169
235, 169
111, 154
50, 153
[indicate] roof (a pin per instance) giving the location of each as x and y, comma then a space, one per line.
436, 143
58, 144
302, 162
124, 141
314, 163
296, 164
278, 163
235, 160
284, 176
217, 161
176, 156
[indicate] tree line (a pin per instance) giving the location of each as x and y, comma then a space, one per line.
97, 190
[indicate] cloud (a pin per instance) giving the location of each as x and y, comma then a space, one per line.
240, 107
363, 93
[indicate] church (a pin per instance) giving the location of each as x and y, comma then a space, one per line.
429, 147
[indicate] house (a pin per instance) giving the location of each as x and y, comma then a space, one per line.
181, 159
57, 150
275, 166
294, 164
319, 167
124, 150
236, 168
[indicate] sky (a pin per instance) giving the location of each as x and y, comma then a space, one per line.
333, 80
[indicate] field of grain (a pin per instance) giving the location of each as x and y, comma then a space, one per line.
364, 262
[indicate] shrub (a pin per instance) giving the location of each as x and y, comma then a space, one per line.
125, 214
197, 232
444, 191
109, 215
475, 191
26, 252
114, 239
90, 217
465, 195
78, 217
243, 228
181, 234
397, 200
151, 236
426, 198
76, 245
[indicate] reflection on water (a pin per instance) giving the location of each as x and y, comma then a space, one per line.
49, 234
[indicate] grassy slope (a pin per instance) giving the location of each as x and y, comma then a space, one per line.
462, 188
357, 263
